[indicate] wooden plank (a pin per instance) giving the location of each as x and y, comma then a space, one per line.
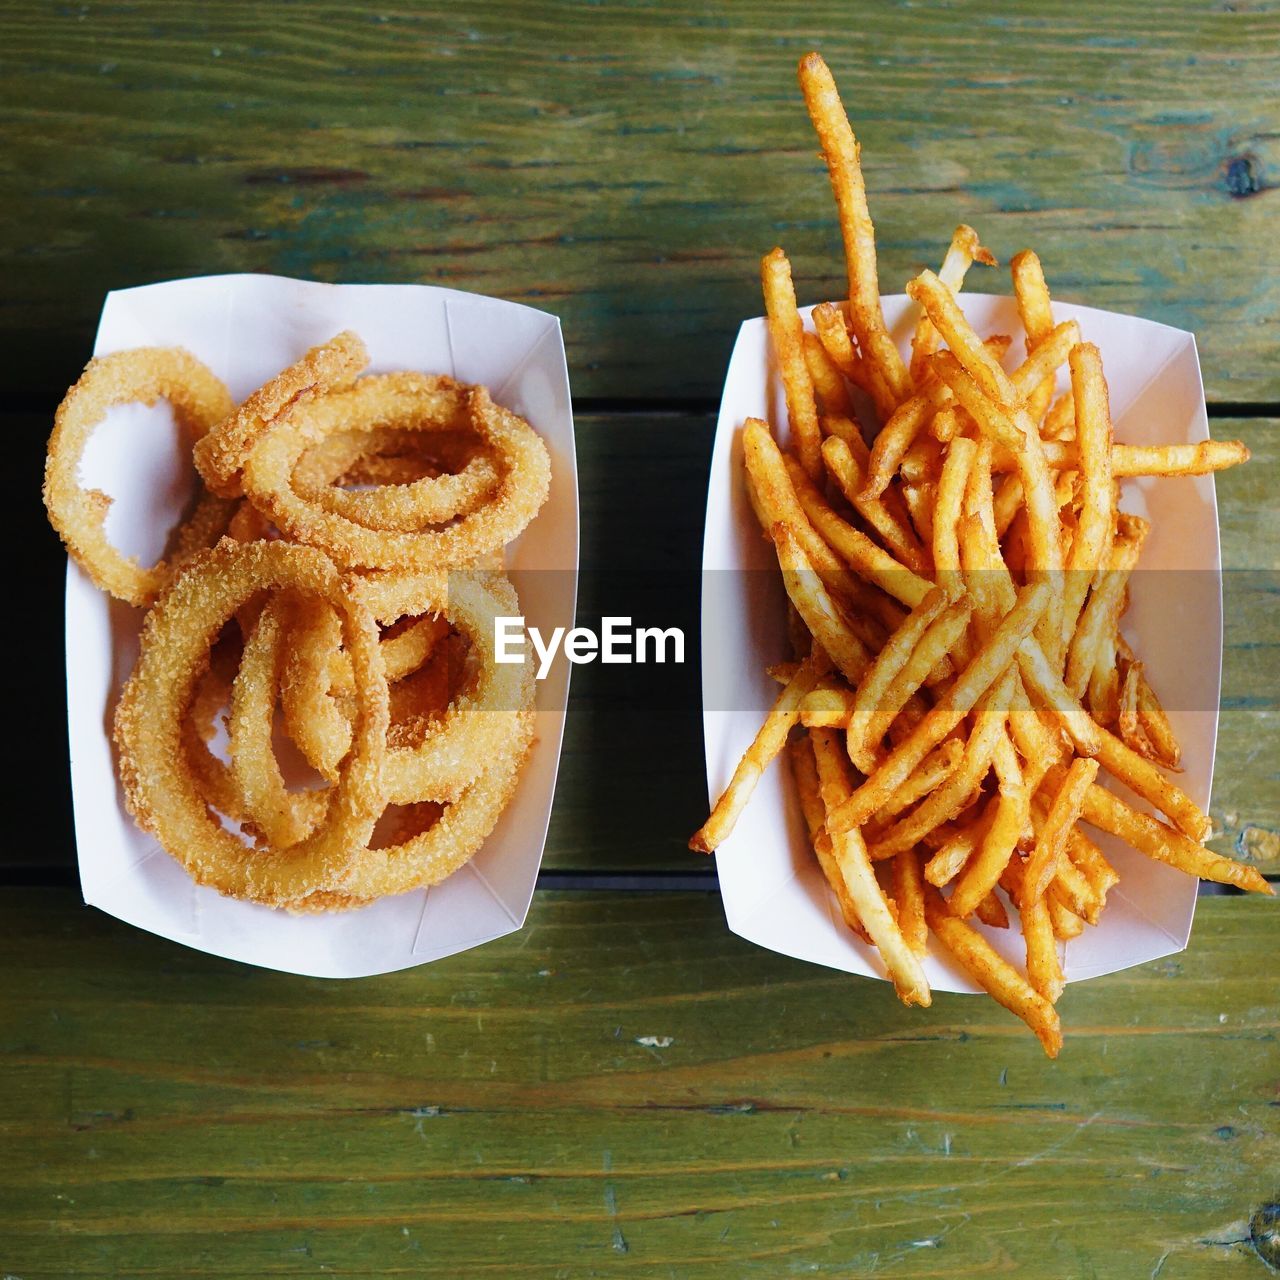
623, 1081
625, 166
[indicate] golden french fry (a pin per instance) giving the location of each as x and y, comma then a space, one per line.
934, 770
947, 507
1127, 722
859, 552
860, 878
958, 846
900, 432
825, 622
805, 772
774, 500
943, 637
965, 249
988, 666
827, 708
1091, 547
1044, 967
992, 913
1102, 611
787, 334
1060, 422
1145, 779
833, 333
959, 789
845, 169
1051, 841
1066, 924
878, 678
760, 754
828, 384
782, 672
982, 872
994, 974
1041, 680
894, 531
1036, 314
1097, 871
848, 430
908, 893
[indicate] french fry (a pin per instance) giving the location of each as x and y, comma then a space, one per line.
1066, 924
1044, 967
958, 847
1099, 874
992, 913
765, 747
833, 333
841, 150
934, 770
947, 507
1102, 610
988, 666
1091, 548
957, 792
774, 499
827, 708
1144, 779
888, 663
815, 606
1051, 841
787, 334
860, 878
982, 872
899, 434
994, 974
965, 249
1012, 428
1128, 725
804, 771
1041, 680
908, 892
859, 552
1036, 313
828, 385
1060, 422
1155, 839
895, 532
943, 637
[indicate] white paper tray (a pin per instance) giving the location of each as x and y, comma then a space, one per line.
246, 327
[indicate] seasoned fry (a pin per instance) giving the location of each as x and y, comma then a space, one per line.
875, 684
994, 974
965, 249
766, 745
1051, 840
787, 334
988, 665
805, 772
1044, 966
908, 893
816, 607
828, 385
1091, 548
860, 878
1036, 314
842, 153
934, 770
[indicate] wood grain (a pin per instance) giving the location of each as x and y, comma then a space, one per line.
624, 1084
626, 165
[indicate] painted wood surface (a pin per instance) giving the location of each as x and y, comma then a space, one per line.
640, 1093
626, 165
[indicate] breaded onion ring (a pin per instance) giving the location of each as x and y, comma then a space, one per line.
482, 718
160, 789
144, 375
403, 404
280, 816
221, 454
517, 498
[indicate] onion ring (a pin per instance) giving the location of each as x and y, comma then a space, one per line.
403, 404
144, 375
221, 454
519, 495
457, 746
160, 790
279, 816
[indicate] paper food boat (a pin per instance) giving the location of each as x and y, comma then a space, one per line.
774, 893
246, 328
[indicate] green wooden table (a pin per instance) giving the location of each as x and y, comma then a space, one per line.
624, 1086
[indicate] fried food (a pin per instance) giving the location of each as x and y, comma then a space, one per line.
144, 375
958, 586
373, 651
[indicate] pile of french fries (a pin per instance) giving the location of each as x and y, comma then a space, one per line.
956, 590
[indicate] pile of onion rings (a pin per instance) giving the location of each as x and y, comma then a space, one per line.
316, 718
